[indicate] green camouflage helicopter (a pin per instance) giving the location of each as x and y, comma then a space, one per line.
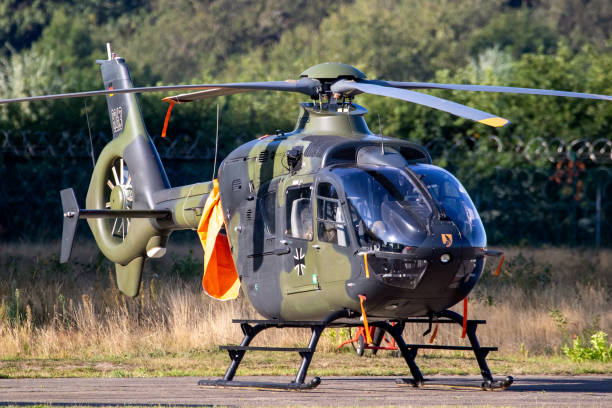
328, 225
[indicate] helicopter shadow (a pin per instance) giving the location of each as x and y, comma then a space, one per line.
563, 384
546, 384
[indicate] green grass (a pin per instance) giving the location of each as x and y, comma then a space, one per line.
212, 364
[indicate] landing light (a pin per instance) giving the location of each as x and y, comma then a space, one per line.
445, 258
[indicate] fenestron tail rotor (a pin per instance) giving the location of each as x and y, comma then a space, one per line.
120, 196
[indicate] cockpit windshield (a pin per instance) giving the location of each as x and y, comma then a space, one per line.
451, 197
387, 210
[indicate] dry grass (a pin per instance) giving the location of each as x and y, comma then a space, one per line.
54, 311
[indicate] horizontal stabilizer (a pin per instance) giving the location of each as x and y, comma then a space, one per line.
71, 216
72, 213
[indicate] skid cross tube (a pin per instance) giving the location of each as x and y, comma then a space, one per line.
479, 352
252, 328
236, 353
409, 351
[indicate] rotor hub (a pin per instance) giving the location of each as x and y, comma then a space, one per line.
119, 197
332, 70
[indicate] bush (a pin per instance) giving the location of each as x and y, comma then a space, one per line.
599, 350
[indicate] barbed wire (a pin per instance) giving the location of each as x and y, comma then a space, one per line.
564, 202
42, 145
598, 151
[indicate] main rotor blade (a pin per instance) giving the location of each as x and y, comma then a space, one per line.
375, 88
499, 89
207, 93
304, 85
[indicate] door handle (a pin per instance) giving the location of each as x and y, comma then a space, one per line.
282, 251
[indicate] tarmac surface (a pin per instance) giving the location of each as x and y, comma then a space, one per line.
527, 391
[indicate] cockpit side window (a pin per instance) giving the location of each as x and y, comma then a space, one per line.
299, 212
331, 225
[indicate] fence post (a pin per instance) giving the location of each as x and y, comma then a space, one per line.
598, 217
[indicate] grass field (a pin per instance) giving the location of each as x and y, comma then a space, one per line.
70, 320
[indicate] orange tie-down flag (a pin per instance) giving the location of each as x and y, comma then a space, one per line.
220, 278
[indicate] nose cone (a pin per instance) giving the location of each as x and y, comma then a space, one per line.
333, 70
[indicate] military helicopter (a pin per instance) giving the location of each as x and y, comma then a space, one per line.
328, 225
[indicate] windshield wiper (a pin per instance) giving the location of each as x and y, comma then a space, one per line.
425, 191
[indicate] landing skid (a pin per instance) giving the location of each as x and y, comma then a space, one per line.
252, 328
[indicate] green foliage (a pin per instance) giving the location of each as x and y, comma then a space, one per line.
223, 40
561, 44
597, 349
187, 266
515, 31
337, 336
22, 21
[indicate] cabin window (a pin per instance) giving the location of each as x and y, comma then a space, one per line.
331, 225
299, 212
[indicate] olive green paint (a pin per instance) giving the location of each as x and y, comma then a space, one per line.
333, 70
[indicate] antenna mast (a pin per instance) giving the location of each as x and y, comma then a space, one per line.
382, 139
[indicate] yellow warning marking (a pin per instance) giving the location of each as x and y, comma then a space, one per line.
367, 270
495, 121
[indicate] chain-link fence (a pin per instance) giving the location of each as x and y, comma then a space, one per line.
527, 191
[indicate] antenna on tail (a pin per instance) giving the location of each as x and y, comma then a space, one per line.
382, 139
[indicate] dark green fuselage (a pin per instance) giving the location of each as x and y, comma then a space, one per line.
305, 241
292, 277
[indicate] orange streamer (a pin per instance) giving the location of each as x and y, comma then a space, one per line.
220, 279
499, 266
465, 312
434, 334
163, 134
362, 299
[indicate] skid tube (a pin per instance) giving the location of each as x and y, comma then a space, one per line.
236, 353
252, 328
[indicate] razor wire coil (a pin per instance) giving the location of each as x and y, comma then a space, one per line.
554, 191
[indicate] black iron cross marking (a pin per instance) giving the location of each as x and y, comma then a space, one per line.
298, 260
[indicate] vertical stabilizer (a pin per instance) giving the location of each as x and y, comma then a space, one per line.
126, 177
128, 126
